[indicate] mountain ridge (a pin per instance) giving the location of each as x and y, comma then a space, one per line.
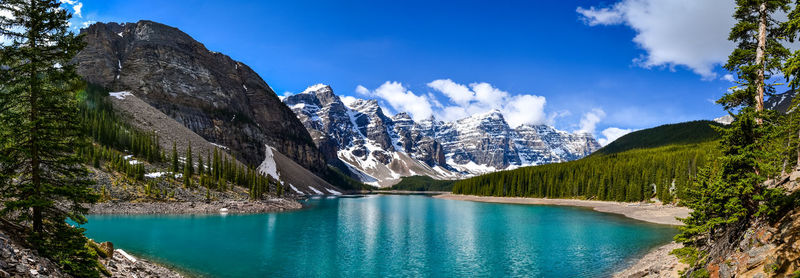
220, 99
380, 148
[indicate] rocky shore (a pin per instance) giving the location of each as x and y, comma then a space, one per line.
658, 263
123, 264
17, 260
214, 207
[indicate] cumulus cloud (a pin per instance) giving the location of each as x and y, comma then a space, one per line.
525, 109
466, 100
590, 120
457, 93
361, 90
400, 98
612, 133
673, 33
728, 77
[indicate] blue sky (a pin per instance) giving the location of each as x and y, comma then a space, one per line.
592, 65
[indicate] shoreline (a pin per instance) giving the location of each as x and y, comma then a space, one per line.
191, 207
653, 213
658, 262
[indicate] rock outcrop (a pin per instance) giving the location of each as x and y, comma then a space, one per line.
220, 99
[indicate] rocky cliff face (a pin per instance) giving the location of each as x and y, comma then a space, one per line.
220, 99
379, 148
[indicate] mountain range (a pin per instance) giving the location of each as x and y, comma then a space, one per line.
356, 135
229, 105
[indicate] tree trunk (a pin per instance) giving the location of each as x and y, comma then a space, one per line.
33, 118
762, 46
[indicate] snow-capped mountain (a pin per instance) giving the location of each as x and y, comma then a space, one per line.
779, 102
380, 149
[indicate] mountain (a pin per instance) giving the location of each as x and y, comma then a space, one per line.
380, 149
220, 99
360, 138
778, 102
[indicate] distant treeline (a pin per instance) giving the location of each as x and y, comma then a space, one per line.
635, 174
423, 183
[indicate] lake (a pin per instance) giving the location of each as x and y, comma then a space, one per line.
388, 236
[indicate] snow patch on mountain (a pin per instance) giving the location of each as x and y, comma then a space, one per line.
268, 166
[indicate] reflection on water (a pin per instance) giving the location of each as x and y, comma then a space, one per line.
379, 236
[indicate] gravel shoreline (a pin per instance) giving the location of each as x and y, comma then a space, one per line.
215, 207
657, 263
653, 213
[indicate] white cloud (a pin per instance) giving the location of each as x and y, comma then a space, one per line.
482, 97
688, 33
589, 120
525, 109
348, 100
76, 6
603, 16
361, 90
612, 133
400, 98
457, 93
728, 77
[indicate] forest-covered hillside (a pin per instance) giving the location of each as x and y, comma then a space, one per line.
660, 162
670, 134
423, 183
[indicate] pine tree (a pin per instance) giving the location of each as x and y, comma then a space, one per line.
175, 163
200, 166
189, 164
216, 165
759, 53
730, 191
40, 131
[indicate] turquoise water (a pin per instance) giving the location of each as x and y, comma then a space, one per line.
389, 236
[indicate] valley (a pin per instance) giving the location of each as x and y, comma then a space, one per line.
338, 140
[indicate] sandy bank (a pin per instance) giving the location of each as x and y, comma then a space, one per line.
654, 213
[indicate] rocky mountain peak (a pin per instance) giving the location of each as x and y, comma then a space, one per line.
481, 143
220, 99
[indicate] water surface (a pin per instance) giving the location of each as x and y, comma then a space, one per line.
389, 236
